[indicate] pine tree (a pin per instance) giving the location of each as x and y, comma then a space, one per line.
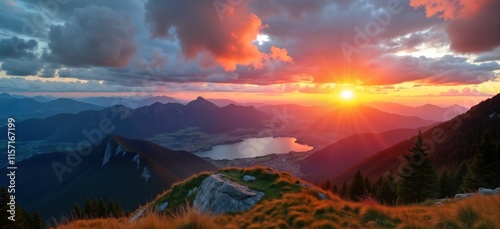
357, 189
23, 219
459, 177
368, 185
119, 210
4, 199
102, 210
481, 171
418, 179
89, 209
335, 189
37, 221
344, 191
496, 164
328, 185
386, 193
112, 211
446, 188
76, 213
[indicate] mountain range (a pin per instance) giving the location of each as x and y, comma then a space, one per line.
427, 111
130, 102
450, 143
40, 107
347, 120
141, 122
131, 171
341, 155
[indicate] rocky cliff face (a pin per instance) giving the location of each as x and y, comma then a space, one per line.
218, 195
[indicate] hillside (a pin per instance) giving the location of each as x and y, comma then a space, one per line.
427, 111
131, 171
291, 203
348, 120
25, 108
142, 122
452, 142
131, 102
341, 155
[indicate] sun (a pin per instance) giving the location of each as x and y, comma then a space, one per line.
347, 94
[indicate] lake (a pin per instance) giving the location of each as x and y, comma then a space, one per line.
255, 147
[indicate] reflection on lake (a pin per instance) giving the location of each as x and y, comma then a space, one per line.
255, 147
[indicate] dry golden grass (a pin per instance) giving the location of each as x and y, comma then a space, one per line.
298, 210
302, 208
185, 219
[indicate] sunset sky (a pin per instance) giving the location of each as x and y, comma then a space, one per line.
415, 52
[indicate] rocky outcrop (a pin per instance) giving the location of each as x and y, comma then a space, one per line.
141, 213
487, 191
218, 195
161, 207
321, 195
248, 178
480, 191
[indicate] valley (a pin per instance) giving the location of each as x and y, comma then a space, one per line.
286, 140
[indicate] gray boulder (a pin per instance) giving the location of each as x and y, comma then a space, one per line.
247, 178
141, 213
321, 195
497, 190
161, 207
485, 191
463, 195
194, 190
217, 195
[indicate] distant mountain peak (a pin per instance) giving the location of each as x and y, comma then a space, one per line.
201, 102
5, 95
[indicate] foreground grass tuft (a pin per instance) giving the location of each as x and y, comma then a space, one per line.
289, 205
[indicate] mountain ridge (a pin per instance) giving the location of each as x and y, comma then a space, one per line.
109, 170
453, 142
158, 118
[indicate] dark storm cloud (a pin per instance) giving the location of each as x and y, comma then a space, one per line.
489, 56
94, 36
183, 41
477, 33
21, 67
17, 48
474, 26
17, 20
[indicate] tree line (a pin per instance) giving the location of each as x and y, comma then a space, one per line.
418, 179
95, 208
22, 218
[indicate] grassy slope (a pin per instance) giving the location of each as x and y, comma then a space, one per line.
295, 207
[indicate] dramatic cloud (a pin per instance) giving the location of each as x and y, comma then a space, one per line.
489, 56
211, 43
17, 48
447, 70
21, 67
224, 30
95, 36
19, 57
474, 24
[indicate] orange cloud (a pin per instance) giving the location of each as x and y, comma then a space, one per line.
280, 55
223, 30
473, 26
449, 9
